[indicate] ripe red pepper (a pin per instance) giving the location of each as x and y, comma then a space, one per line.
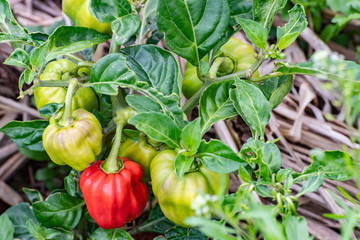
115, 198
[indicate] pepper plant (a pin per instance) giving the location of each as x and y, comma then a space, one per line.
128, 105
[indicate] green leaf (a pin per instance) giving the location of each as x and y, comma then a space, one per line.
278, 95
218, 157
313, 183
296, 228
313, 69
264, 220
158, 76
6, 228
19, 214
34, 155
5, 11
33, 195
106, 11
69, 183
283, 174
134, 71
158, 127
156, 222
12, 31
18, 58
143, 103
192, 27
110, 72
110, 234
272, 157
182, 165
125, 27
66, 39
59, 210
215, 104
256, 33
263, 190
50, 109
239, 9
245, 173
149, 23
156, 67
191, 136
335, 164
27, 77
6, 37
297, 23
339, 6
159, 238
265, 10
252, 151
181, 233
252, 106
211, 228
40, 232
269, 86
26, 134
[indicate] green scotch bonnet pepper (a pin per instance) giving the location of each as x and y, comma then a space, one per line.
84, 98
240, 57
75, 145
140, 152
79, 14
174, 196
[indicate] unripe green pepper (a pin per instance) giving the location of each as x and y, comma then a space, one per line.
174, 196
75, 145
84, 98
79, 14
140, 152
241, 55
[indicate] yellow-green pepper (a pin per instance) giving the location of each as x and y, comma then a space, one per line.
84, 98
79, 14
241, 54
140, 152
75, 145
175, 196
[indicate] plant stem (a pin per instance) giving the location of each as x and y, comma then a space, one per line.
245, 73
50, 83
118, 102
66, 118
113, 46
267, 76
215, 66
194, 100
73, 57
112, 163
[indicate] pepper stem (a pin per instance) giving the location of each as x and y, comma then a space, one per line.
225, 64
112, 163
194, 100
121, 112
66, 118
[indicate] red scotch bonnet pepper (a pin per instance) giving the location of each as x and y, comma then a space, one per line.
116, 198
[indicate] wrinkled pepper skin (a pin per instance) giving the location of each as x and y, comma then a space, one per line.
79, 14
242, 55
75, 145
84, 98
114, 199
140, 152
174, 196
